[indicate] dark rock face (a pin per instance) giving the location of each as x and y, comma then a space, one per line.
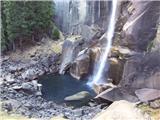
71, 47
140, 27
115, 70
142, 71
80, 66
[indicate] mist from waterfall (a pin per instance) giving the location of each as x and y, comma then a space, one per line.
82, 10
98, 77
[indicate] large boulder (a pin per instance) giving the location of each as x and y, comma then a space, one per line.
78, 99
143, 13
117, 93
84, 62
80, 66
71, 46
122, 110
115, 70
142, 71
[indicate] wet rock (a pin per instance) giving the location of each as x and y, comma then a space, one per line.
78, 99
115, 94
146, 94
79, 96
121, 110
115, 70
95, 53
71, 47
102, 87
80, 67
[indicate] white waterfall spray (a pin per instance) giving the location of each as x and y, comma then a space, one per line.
82, 10
108, 36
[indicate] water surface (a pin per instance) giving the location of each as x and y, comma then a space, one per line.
57, 87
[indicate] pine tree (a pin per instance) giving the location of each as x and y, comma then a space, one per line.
25, 21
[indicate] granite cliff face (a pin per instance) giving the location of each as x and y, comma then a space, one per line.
76, 17
141, 25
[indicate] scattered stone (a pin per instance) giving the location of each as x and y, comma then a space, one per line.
28, 87
11, 105
39, 93
17, 87
29, 74
92, 104
78, 112
155, 104
1, 81
7, 107
5, 58
9, 78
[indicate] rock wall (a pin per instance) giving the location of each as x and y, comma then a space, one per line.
74, 17
140, 28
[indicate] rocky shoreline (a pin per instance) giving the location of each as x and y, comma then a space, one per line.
21, 92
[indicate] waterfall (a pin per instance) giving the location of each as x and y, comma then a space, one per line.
98, 77
82, 10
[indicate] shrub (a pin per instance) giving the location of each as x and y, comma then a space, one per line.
56, 33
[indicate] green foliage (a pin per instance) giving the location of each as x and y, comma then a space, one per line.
56, 33
25, 21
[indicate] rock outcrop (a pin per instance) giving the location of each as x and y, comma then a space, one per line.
80, 66
122, 110
71, 46
140, 28
79, 99
142, 71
